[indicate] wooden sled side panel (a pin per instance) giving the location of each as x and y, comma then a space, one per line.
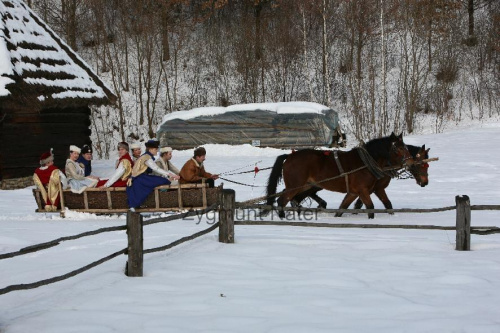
114, 199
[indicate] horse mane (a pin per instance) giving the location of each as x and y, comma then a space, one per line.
379, 148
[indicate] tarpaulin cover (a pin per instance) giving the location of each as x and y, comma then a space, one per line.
258, 127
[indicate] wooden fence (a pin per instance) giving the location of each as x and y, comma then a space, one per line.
135, 249
133, 227
226, 207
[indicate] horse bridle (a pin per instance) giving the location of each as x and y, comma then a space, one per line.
405, 155
418, 166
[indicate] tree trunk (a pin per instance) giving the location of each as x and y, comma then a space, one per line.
258, 37
69, 11
429, 45
306, 65
326, 86
383, 115
358, 57
164, 35
470, 9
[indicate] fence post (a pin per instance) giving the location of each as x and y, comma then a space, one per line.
463, 223
135, 244
226, 216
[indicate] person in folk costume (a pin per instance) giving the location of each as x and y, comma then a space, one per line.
164, 163
123, 169
76, 174
143, 181
136, 151
47, 178
85, 160
193, 170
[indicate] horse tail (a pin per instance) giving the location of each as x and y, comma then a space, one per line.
274, 178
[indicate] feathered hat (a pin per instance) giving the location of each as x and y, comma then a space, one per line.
46, 157
86, 149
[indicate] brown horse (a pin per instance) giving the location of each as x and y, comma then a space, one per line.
355, 172
419, 171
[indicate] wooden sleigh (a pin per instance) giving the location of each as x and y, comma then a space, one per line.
114, 199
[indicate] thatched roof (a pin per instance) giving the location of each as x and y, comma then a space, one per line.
37, 66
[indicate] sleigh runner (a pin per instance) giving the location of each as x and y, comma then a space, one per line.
114, 199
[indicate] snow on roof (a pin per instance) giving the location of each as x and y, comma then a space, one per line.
33, 54
5, 63
280, 108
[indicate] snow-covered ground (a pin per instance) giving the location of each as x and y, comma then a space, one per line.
273, 279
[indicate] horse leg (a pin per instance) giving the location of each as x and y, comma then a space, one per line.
281, 212
321, 202
358, 204
296, 204
281, 202
296, 201
380, 193
285, 198
299, 197
311, 192
365, 197
348, 199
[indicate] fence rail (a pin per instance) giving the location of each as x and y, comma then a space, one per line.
45, 282
55, 242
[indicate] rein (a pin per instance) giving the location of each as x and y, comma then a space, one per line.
234, 182
229, 172
256, 169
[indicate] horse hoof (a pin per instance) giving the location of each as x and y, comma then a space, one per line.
371, 216
281, 215
338, 214
264, 212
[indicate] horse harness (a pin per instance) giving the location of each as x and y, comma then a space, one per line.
341, 170
368, 162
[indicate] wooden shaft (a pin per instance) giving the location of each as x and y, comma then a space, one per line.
428, 160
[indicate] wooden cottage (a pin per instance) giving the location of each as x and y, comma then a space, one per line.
45, 93
279, 125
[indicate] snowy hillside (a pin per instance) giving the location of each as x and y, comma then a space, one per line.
273, 279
